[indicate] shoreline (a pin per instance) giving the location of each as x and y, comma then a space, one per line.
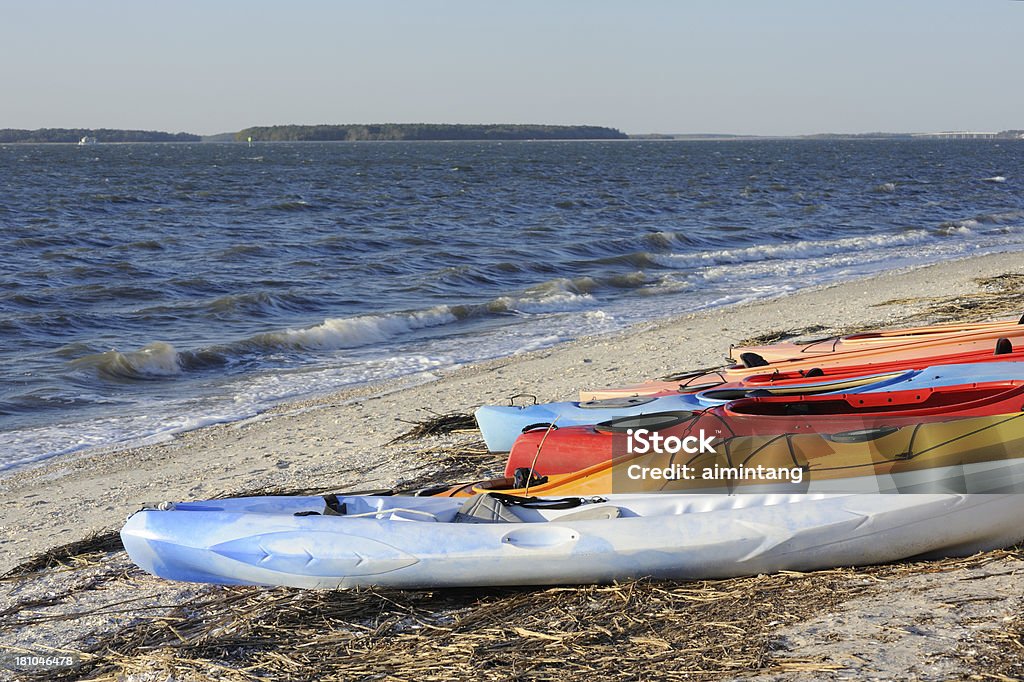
374, 387
339, 438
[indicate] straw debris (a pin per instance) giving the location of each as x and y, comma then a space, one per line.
636, 630
70, 555
437, 425
1000, 296
777, 336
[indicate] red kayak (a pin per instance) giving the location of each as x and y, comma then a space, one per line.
555, 451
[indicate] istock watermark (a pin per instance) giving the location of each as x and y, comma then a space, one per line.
642, 441
685, 472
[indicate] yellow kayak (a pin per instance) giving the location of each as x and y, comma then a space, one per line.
977, 454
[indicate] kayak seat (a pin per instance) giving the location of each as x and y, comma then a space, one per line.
752, 360
1003, 346
485, 509
488, 508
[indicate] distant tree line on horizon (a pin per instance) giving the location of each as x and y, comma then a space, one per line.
425, 131
8, 135
1002, 135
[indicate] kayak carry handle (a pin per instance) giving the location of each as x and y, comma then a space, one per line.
861, 435
539, 425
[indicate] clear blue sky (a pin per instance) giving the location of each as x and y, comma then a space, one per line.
740, 66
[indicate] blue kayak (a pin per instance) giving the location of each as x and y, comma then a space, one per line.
501, 425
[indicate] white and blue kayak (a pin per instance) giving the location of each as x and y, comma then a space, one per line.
422, 542
500, 425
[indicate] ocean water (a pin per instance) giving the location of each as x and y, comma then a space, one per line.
153, 288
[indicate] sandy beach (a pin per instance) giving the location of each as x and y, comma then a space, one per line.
341, 441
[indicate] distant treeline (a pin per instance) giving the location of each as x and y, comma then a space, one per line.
101, 135
426, 131
1002, 135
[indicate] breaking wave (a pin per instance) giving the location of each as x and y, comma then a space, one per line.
553, 303
352, 332
154, 361
790, 250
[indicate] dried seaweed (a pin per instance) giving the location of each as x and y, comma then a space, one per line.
73, 553
319, 489
437, 425
776, 336
1000, 654
636, 630
450, 463
1000, 296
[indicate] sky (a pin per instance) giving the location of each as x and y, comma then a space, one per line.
760, 67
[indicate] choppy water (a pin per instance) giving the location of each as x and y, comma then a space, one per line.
148, 289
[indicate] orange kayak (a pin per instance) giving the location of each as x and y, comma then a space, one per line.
917, 455
885, 338
979, 346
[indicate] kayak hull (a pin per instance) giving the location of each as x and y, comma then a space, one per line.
880, 339
660, 536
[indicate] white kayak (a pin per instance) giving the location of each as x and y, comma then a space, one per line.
424, 542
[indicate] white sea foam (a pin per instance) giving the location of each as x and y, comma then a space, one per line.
163, 420
552, 303
1002, 217
789, 250
560, 295
353, 332
962, 227
540, 342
